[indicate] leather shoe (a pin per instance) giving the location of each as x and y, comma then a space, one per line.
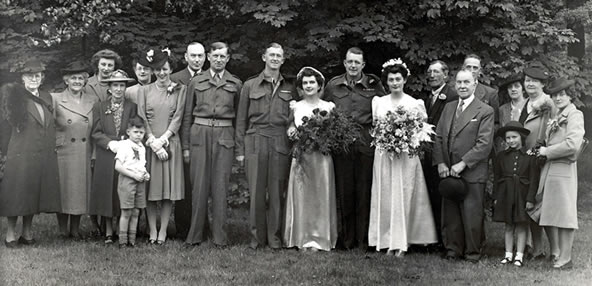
11, 244
567, 266
25, 241
540, 256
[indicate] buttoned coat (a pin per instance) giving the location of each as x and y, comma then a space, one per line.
74, 148
31, 181
558, 187
470, 141
103, 197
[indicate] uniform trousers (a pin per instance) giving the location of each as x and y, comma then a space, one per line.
212, 151
462, 223
267, 168
353, 183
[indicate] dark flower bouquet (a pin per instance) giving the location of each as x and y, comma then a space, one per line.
402, 131
327, 132
535, 151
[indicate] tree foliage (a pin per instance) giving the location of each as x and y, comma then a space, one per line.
507, 34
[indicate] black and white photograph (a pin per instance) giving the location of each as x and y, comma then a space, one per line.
295, 142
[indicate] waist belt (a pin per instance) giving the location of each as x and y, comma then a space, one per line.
213, 122
268, 131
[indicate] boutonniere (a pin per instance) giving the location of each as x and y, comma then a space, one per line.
553, 125
442, 96
542, 107
113, 107
172, 86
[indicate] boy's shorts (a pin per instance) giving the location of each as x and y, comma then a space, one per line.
132, 194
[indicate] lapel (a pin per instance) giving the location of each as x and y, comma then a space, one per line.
479, 91
32, 109
83, 109
108, 123
469, 113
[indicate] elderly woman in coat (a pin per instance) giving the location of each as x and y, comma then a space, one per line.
73, 112
556, 199
27, 136
537, 111
110, 119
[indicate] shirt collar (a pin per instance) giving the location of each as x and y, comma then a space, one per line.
438, 90
363, 80
213, 73
192, 72
467, 101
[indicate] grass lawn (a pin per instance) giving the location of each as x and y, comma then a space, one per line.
55, 262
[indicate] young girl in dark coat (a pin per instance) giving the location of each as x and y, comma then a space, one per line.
515, 185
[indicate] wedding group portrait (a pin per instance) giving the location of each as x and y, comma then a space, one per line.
279, 142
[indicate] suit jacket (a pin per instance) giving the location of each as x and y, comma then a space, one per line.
488, 95
183, 76
469, 139
434, 111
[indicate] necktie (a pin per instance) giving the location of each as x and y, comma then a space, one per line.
217, 78
459, 109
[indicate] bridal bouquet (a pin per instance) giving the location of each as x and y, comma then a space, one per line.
327, 132
402, 131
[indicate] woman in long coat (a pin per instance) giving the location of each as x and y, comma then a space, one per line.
556, 199
73, 111
110, 119
27, 135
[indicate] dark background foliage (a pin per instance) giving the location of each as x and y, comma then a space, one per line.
507, 34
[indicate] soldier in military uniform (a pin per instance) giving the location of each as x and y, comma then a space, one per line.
208, 142
262, 142
353, 92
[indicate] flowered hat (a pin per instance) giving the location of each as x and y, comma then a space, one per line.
32, 65
558, 85
119, 76
512, 126
156, 58
454, 189
75, 67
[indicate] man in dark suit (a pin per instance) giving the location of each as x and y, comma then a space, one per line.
440, 93
464, 138
486, 94
195, 57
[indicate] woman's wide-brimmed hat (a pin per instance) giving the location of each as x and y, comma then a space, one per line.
558, 85
454, 189
517, 77
155, 58
537, 71
32, 66
512, 126
119, 76
75, 67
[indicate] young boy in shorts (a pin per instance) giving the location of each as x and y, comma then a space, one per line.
130, 162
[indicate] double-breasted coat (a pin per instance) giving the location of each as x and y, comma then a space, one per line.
31, 181
104, 200
558, 187
73, 119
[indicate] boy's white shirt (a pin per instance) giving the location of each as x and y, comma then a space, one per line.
125, 154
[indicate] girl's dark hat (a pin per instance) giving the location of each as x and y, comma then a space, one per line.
558, 85
75, 67
32, 66
512, 126
454, 189
517, 77
537, 71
